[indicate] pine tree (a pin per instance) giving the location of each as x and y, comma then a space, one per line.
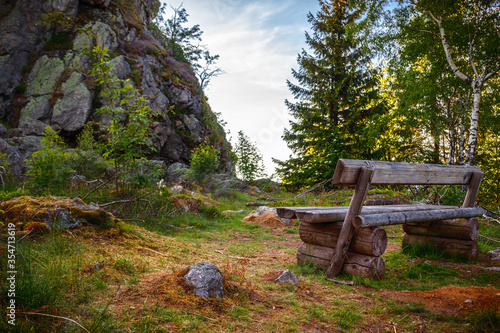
335, 99
249, 164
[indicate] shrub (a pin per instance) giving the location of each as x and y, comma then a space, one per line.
48, 168
204, 162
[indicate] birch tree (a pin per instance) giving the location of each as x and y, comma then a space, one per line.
482, 20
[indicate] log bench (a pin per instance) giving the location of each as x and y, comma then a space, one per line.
350, 239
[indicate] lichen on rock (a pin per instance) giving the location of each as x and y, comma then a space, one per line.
72, 111
37, 108
44, 76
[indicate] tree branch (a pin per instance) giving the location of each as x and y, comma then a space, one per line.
490, 74
449, 58
470, 57
52, 316
427, 31
126, 200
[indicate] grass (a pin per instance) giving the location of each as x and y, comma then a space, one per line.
58, 276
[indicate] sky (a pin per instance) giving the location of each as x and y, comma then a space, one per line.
258, 42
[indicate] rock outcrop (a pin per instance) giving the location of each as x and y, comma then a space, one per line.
45, 77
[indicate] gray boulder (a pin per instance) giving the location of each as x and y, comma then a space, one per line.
69, 7
121, 68
225, 182
206, 280
72, 111
149, 86
177, 172
33, 127
37, 108
44, 76
194, 127
495, 254
18, 36
27, 145
16, 162
103, 33
105, 36
3, 131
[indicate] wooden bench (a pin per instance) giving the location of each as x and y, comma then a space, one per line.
348, 238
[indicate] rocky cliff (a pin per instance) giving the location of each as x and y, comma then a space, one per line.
44, 78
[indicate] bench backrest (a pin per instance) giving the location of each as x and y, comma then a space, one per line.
393, 173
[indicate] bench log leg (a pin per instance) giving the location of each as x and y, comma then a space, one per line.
473, 189
347, 231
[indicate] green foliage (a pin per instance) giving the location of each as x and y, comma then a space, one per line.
59, 41
249, 162
336, 100
431, 103
4, 166
21, 88
125, 265
178, 36
128, 136
141, 172
48, 168
59, 20
486, 320
181, 41
204, 162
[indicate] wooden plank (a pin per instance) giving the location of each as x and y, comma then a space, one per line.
347, 228
354, 264
290, 212
368, 241
468, 249
472, 190
392, 173
336, 214
377, 220
467, 229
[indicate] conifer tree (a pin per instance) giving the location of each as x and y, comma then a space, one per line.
249, 163
335, 99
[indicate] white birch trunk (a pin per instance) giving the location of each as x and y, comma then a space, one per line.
474, 124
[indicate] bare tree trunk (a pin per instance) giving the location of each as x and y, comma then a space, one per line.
461, 143
452, 133
474, 123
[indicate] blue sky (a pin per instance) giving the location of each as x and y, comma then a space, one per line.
258, 42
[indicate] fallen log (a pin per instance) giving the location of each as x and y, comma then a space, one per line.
368, 241
258, 204
460, 247
337, 214
467, 229
377, 220
354, 264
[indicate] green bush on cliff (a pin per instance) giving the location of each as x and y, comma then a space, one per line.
204, 162
128, 134
48, 168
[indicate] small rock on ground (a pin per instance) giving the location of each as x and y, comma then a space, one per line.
288, 277
495, 253
206, 280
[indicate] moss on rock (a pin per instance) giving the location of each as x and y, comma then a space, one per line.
64, 213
